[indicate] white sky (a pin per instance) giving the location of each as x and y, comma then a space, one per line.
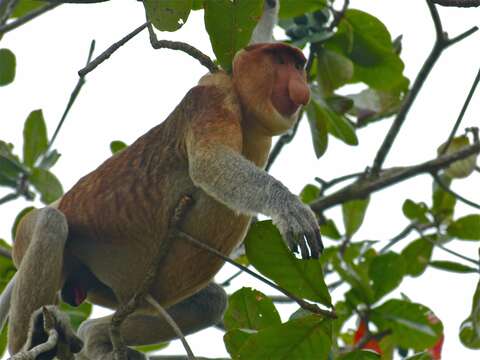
138, 87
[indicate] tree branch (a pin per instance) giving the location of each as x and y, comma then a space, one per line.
23, 20
111, 49
444, 186
366, 186
441, 43
462, 114
186, 48
71, 101
124, 310
458, 3
304, 304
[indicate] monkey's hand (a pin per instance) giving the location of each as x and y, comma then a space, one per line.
299, 227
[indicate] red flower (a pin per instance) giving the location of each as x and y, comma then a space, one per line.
370, 345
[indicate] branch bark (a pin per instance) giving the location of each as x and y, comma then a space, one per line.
458, 3
30, 16
365, 186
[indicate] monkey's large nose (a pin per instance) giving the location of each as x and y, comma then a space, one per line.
298, 91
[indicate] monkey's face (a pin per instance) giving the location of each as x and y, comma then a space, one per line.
271, 82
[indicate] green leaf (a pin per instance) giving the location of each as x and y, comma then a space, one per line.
329, 229
443, 202
470, 328
19, 217
365, 40
386, 271
47, 185
308, 338
168, 15
361, 355
250, 309
409, 323
35, 139
417, 255
77, 314
3, 340
353, 214
116, 146
461, 168
25, 6
333, 71
48, 161
465, 228
452, 266
10, 169
235, 339
415, 211
309, 193
372, 105
318, 128
7, 67
230, 25
292, 8
301, 277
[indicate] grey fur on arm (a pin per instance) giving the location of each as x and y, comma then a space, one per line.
236, 182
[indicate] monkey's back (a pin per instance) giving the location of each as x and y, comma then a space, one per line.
119, 213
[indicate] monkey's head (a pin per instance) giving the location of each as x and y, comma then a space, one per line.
271, 82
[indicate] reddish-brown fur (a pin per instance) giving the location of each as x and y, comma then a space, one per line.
118, 214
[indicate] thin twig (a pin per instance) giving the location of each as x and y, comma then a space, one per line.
452, 252
445, 187
404, 233
386, 178
24, 19
186, 48
462, 113
111, 49
173, 324
124, 310
9, 8
328, 184
304, 304
441, 43
71, 100
458, 3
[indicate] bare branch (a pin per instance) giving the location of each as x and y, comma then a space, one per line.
186, 48
441, 43
5, 253
107, 53
462, 113
445, 187
338, 15
71, 101
173, 324
458, 3
304, 304
365, 187
30, 16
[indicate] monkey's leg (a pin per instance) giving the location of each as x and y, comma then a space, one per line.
197, 312
39, 274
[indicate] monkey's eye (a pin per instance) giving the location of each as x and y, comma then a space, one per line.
299, 66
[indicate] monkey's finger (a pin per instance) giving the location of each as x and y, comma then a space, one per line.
312, 243
303, 248
319, 241
292, 244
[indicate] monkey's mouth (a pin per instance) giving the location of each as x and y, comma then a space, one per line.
284, 105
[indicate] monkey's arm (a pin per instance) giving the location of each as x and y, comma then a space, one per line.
217, 166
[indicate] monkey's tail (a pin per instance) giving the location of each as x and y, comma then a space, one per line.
5, 298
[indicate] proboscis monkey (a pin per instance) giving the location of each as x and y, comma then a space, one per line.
98, 241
